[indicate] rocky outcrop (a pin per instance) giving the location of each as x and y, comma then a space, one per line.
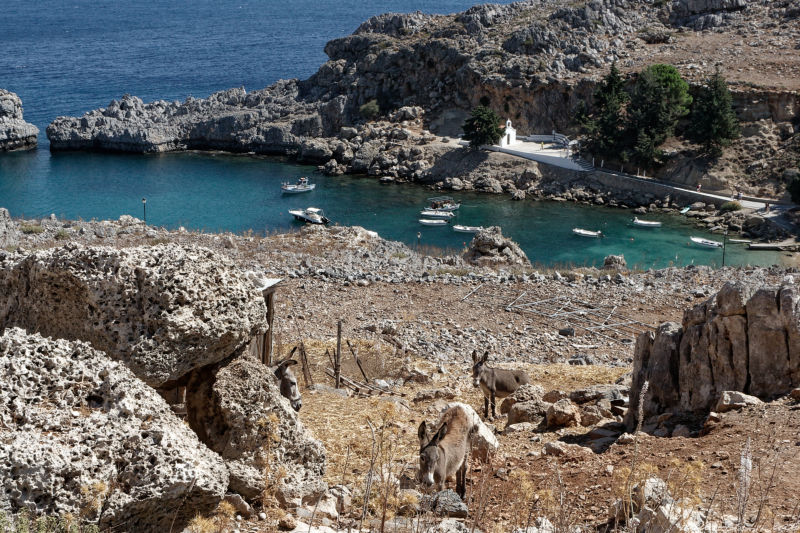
237, 410
490, 248
163, 310
15, 133
83, 435
9, 232
743, 339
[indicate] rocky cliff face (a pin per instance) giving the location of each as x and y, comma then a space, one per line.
15, 133
83, 435
164, 310
743, 339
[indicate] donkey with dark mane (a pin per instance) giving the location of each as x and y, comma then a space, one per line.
288, 382
443, 452
495, 382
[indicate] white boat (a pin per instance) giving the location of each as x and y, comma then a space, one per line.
706, 242
646, 223
302, 185
445, 203
586, 232
685, 209
740, 241
433, 222
312, 215
437, 213
467, 229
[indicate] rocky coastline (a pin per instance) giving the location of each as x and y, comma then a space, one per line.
15, 133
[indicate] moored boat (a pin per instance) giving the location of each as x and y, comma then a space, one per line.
433, 222
311, 215
685, 209
467, 229
706, 242
446, 203
437, 213
646, 223
302, 185
586, 233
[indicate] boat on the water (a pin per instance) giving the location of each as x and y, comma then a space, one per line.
437, 213
302, 185
706, 242
586, 232
467, 229
311, 215
740, 241
685, 209
646, 223
445, 203
433, 222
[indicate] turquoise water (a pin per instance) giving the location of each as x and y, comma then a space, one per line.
220, 192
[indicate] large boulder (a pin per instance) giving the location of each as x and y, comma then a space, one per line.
743, 339
490, 248
9, 233
15, 133
83, 435
236, 408
162, 310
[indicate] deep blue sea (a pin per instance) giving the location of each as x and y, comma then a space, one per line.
64, 57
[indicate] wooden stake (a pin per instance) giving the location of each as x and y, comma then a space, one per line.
358, 361
337, 366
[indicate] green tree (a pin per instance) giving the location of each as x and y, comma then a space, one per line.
370, 110
713, 122
605, 126
660, 97
483, 127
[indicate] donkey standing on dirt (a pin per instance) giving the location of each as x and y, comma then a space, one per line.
288, 383
443, 452
495, 382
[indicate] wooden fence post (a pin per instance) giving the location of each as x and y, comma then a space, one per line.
337, 364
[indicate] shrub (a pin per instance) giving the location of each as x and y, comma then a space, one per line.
62, 235
730, 206
483, 127
370, 110
29, 229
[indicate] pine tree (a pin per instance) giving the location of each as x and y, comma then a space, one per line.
714, 123
483, 127
606, 128
660, 97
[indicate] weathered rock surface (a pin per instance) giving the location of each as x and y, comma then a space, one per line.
163, 310
490, 248
15, 133
563, 413
82, 434
524, 393
744, 339
9, 232
237, 410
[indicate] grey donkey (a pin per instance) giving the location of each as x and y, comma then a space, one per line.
443, 452
288, 383
495, 382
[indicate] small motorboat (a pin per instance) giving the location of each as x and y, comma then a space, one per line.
467, 229
444, 203
706, 242
587, 233
302, 185
311, 215
685, 209
437, 213
646, 223
433, 222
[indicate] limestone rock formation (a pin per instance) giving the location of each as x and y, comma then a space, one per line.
9, 233
743, 338
15, 133
490, 248
163, 310
83, 435
236, 409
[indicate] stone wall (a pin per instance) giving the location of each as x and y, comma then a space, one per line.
744, 338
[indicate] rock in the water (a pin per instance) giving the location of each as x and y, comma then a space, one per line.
163, 310
15, 133
83, 433
237, 410
490, 248
9, 232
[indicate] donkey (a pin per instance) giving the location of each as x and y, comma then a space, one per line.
443, 452
495, 382
288, 383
